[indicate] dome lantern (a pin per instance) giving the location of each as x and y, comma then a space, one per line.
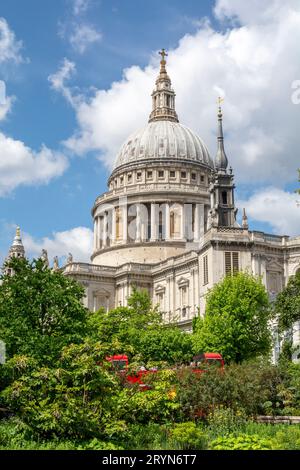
163, 97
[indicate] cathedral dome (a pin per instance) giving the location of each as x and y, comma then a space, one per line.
163, 140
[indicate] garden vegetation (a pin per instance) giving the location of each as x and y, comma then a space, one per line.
58, 391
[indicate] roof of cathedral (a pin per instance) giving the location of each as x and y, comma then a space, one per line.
163, 137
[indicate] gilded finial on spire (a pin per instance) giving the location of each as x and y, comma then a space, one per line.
18, 232
163, 54
219, 102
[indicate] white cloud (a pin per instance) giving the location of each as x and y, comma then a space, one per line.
9, 46
80, 6
83, 36
254, 64
58, 79
20, 165
5, 108
277, 207
78, 241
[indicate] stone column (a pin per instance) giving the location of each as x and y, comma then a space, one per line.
197, 223
95, 233
138, 224
167, 221
124, 223
182, 223
99, 233
113, 226
105, 230
154, 235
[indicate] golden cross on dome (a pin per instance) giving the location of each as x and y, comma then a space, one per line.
18, 232
220, 100
163, 54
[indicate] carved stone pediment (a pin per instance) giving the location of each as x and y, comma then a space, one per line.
159, 289
101, 292
182, 282
273, 265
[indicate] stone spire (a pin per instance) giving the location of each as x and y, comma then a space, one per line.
163, 97
245, 224
221, 162
17, 249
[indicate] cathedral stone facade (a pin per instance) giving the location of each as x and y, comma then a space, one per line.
168, 223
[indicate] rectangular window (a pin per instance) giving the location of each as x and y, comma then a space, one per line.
183, 175
129, 178
205, 270
202, 179
231, 262
139, 176
149, 174
121, 180
194, 176
161, 174
172, 174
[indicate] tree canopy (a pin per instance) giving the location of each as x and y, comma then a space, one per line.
287, 303
41, 310
236, 319
138, 330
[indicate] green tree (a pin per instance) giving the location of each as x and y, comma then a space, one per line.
41, 311
138, 330
71, 400
287, 303
236, 319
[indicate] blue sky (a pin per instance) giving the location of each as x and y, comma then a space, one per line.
210, 43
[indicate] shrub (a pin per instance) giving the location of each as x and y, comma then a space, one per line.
245, 387
289, 439
242, 442
223, 421
185, 436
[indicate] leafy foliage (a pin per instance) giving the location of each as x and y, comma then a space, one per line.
241, 442
188, 436
70, 400
288, 303
138, 330
236, 319
41, 310
242, 388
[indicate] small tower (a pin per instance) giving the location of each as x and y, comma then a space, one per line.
223, 211
16, 251
17, 248
245, 224
163, 97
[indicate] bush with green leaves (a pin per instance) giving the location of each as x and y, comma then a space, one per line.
243, 387
287, 303
41, 311
236, 321
241, 442
139, 331
157, 404
187, 436
223, 421
72, 400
